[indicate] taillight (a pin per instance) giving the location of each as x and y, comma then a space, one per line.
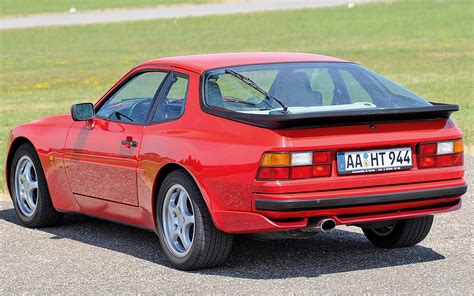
440, 154
274, 173
295, 165
428, 149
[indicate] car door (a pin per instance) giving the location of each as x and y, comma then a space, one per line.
101, 155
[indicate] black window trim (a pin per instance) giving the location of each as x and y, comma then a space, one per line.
123, 83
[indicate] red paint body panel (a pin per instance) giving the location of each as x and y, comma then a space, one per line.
100, 166
203, 62
48, 136
94, 174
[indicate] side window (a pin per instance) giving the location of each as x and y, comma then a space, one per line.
171, 105
132, 102
356, 92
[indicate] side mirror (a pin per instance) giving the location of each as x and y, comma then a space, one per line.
82, 112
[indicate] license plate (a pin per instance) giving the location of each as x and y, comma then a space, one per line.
372, 161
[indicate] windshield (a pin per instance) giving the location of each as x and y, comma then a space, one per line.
304, 87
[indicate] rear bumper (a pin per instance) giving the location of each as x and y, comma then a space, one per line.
285, 211
357, 201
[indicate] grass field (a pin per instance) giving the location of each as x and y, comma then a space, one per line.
428, 47
24, 7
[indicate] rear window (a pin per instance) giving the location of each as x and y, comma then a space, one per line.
305, 87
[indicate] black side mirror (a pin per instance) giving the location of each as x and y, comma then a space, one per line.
82, 112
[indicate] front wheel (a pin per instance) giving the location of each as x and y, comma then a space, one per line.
185, 229
403, 233
29, 190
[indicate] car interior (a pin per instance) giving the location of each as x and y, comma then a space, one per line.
136, 110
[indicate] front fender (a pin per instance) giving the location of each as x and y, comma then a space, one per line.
47, 136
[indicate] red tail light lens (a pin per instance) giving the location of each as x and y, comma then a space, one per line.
428, 149
274, 173
440, 154
323, 170
445, 160
302, 172
458, 159
322, 157
295, 165
428, 162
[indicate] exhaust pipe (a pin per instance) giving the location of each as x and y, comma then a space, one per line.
325, 225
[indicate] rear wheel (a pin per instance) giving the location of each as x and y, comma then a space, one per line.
29, 190
403, 233
185, 229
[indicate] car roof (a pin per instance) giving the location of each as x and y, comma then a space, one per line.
203, 62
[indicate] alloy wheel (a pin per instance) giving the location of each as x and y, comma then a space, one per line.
178, 220
26, 186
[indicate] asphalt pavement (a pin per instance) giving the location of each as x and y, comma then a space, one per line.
89, 256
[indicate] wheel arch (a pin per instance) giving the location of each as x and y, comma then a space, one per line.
160, 177
13, 147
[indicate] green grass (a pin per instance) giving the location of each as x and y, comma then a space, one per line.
24, 7
425, 46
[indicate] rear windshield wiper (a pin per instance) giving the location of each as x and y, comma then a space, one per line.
252, 84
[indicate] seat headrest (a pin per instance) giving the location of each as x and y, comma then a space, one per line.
293, 88
214, 94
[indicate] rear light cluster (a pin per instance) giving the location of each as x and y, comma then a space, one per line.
295, 165
440, 154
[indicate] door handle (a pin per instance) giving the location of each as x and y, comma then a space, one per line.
129, 142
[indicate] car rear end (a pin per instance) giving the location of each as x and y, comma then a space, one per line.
353, 148
362, 174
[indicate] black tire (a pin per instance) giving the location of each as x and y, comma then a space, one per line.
405, 233
44, 215
210, 246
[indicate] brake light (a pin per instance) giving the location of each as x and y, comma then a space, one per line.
322, 170
428, 149
458, 159
322, 157
440, 154
295, 165
274, 173
427, 162
302, 172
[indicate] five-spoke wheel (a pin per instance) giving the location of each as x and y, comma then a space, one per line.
26, 186
178, 220
186, 231
30, 192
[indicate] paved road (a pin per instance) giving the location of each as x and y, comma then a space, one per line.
88, 256
163, 12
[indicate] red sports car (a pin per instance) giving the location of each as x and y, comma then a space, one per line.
276, 145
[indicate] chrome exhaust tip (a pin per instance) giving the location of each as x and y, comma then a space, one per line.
326, 225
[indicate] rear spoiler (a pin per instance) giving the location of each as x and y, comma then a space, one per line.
438, 111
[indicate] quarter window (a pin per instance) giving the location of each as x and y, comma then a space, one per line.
171, 105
